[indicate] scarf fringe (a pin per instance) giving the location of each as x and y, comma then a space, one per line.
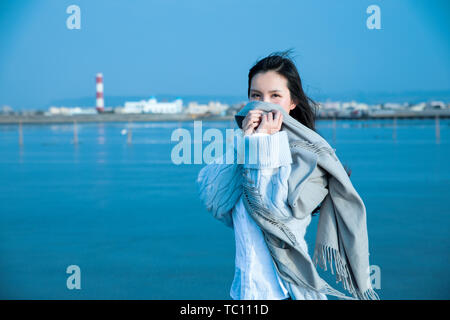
324, 254
333, 292
369, 294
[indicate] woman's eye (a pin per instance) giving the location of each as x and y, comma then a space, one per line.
276, 95
254, 95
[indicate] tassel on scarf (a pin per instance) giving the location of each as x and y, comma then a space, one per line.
324, 254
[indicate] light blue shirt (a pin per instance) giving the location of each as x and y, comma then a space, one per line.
255, 276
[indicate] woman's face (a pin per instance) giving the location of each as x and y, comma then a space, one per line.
271, 87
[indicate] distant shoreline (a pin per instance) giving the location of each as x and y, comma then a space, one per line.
114, 117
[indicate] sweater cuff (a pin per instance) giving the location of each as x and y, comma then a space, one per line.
264, 150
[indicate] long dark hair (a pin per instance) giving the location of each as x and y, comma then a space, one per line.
280, 62
305, 110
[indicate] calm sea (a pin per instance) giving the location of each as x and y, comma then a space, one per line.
132, 221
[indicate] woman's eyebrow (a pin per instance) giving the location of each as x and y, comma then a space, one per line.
269, 91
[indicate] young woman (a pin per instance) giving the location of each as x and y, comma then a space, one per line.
274, 79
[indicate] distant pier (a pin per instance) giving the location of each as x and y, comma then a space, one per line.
117, 117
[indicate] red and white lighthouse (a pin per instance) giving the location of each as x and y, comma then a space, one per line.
100, 101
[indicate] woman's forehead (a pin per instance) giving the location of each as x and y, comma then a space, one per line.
269, 81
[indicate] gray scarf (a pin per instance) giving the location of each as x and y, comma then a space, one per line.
342, 231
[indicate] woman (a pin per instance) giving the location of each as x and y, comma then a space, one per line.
253, 197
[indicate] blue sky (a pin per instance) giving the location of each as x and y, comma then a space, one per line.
206, 47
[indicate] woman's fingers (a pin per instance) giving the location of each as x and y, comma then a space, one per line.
274, 121
267, 122
255, 119
255, 111
277, 115
254, 114
264, 119
251, 118
280, 122
263, 124
249, 129
251, 121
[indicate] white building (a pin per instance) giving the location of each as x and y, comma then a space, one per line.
6, 110
330, 105
213, 107
418, 107
70, 111
436, 105
395, 106
153, 106
353, 105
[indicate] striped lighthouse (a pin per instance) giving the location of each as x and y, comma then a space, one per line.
100, 101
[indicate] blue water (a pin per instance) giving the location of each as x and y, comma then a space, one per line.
132, 221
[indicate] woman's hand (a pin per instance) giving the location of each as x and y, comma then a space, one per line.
270, 122
251, 121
